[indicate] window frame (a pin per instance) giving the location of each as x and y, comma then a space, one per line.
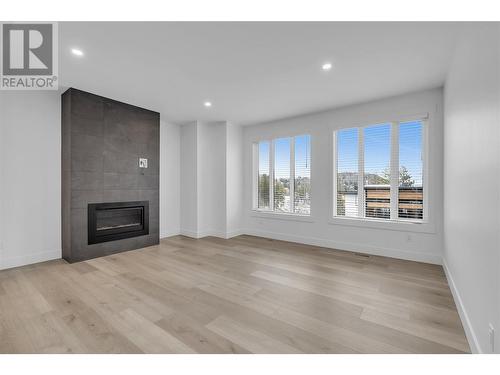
292, 215
419, 225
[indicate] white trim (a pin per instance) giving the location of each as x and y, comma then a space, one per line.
427, 195
170, 233
385, 224
271, 175
234, 233
333, 178
464, 317
193, 234
24, 260
292, 174
281, 216
361, 173
189, 233
348, 246
380, 120
209, 233
394, 170
255, 175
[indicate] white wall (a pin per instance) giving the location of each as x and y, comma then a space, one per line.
472, 182
234, 179
212, 178
30, 177
403, 241
189, 179
170, 159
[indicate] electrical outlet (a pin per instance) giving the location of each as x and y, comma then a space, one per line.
143, 163
491, 332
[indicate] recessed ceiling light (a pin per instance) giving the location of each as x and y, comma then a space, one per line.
326, 66
76, 52
207, 104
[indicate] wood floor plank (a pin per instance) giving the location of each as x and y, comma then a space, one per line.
263, 316
440, 335
149, 337
254, 341
197, 336
242, 295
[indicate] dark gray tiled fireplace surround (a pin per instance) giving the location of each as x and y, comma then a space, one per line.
102, 141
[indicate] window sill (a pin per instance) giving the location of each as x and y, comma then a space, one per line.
402, 226
282, 216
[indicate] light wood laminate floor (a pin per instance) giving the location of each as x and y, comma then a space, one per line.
243, 295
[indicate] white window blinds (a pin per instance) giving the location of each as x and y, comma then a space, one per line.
284, 173
263, 178
347, 172
410, 179
302, 172
379, 171
282, 202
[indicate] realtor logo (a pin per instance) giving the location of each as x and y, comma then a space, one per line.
29, 56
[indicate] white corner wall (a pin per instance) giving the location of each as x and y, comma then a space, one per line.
234, 179
406, 244
211, 179
472, 182
170, 167
30, 177
189, 180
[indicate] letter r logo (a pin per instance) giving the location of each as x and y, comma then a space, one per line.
27, 49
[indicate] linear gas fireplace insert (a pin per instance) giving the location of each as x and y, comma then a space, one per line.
115, 221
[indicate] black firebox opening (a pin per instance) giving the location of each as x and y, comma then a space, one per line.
118, 220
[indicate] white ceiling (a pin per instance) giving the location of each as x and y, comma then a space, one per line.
252, 72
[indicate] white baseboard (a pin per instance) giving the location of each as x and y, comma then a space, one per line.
209, 233
189, 233
464, 317
201, 234
23, 260
170, 233
347, 246
394, 253
234, 233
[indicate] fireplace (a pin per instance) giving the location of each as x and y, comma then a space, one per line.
115, 221
105, 145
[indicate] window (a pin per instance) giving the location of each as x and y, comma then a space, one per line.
377, 163
347, 176
263, 183
302, 178
379, 171
282, 172
410, 187
284, 175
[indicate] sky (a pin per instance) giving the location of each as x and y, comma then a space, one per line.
282, 156
377, 141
